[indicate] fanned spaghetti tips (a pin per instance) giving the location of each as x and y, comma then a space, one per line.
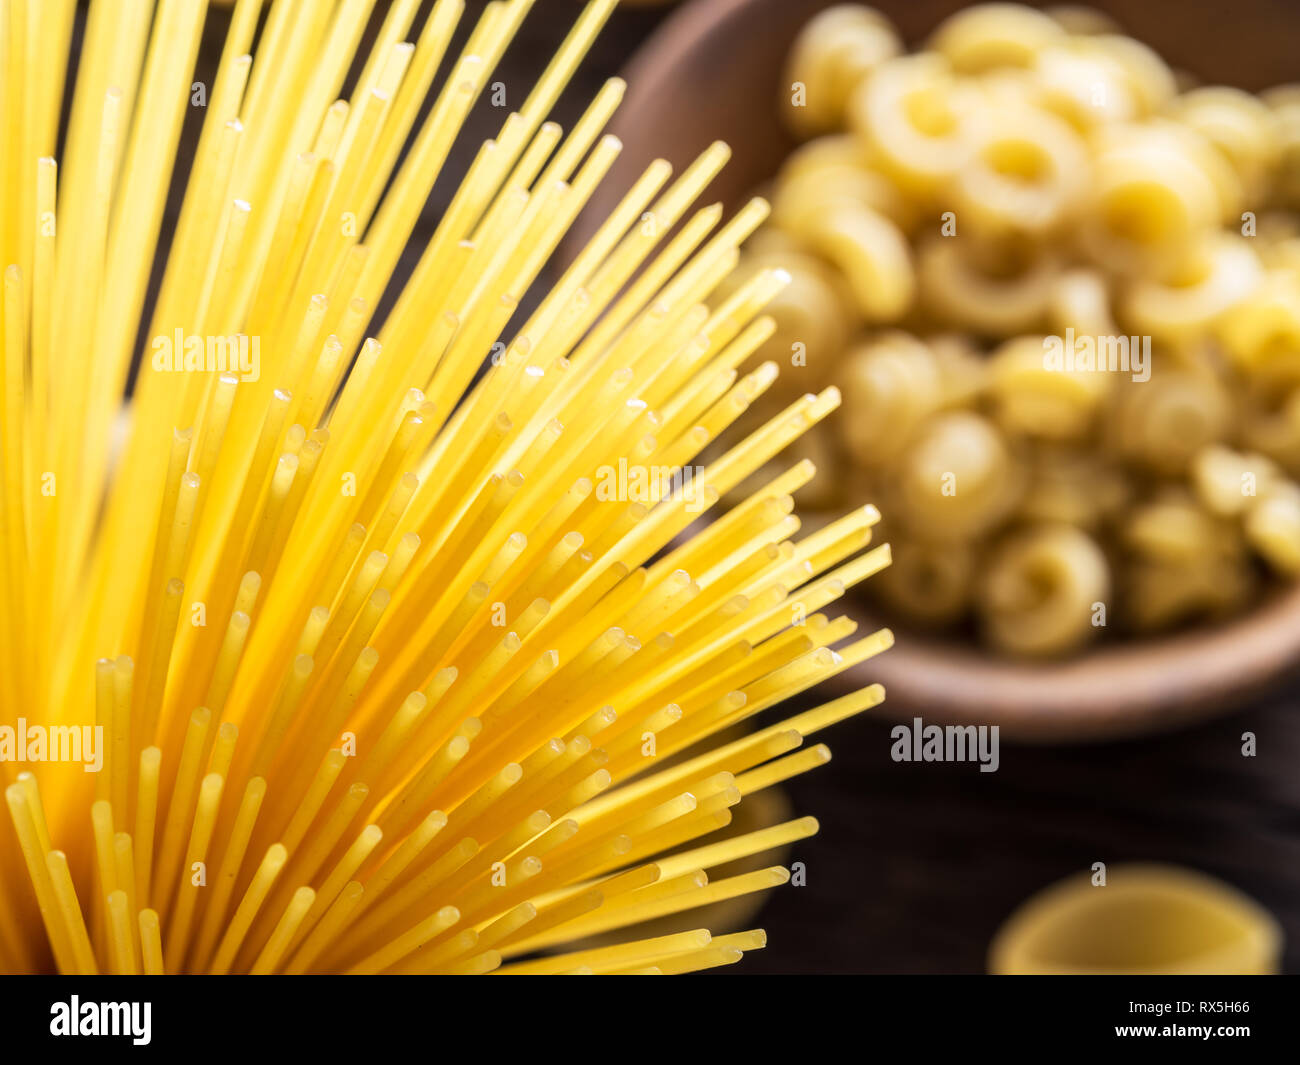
421, 645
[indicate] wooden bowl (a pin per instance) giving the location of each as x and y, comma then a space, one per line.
713, 71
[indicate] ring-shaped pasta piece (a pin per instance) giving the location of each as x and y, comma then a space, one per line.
1025, 175
931, 584
890, 384
1264, 328
1228, 483
1218, 277
813, 322
804, 190
987, 36
1242, 127
917, 119
1150, 82
1151, 200
1041, 591
958, 479
832, 54
1084, 85
954, 288
1273, 528
873, 255
1036, 399
1161, 424
1182, 562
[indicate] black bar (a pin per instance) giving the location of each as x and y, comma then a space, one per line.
1248, 1019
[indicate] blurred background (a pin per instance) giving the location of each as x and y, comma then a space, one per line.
917, 865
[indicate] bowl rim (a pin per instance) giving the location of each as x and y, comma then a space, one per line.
1111, 691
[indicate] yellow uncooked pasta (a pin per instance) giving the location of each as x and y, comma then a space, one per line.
997, 299
406, 668
835, 51
1041, 588
893, 383
988, 36
959, 478
1036, 401
1154, 193
1183, 561
1189, 923
917, 120
1025, 175
1068, 285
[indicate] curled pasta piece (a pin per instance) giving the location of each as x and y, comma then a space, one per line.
1035, 396
917, 119
1025, 174
1273, 528
1264, 328
1072, 487
1218, 276
831, 56
837, 151
1042, 591
1162, 595
986, 36
873, 255
1228, 483
998, 304
958, 479
1153, 198
890, 385
829, 171
931, 584
1084, 85
1160, 424
1241, 127
1183, 563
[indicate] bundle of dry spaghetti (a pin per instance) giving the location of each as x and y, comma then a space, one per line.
411, 669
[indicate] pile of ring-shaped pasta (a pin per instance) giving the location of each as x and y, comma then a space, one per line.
1028, 176
411, 669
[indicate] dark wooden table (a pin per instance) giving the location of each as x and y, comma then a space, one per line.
916, 865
